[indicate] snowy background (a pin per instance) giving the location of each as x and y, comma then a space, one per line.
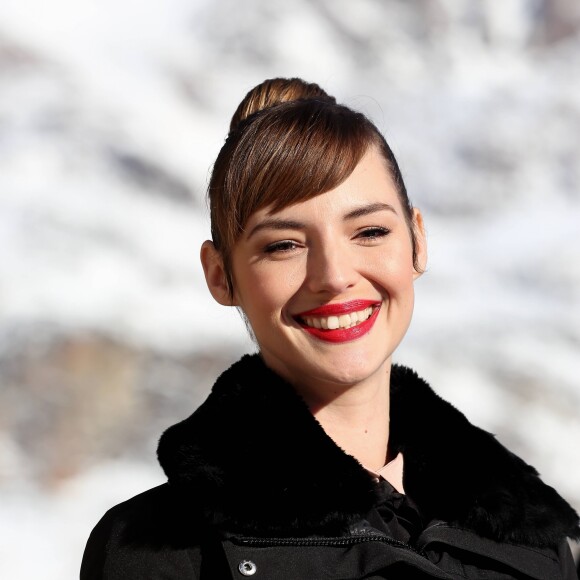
111, 114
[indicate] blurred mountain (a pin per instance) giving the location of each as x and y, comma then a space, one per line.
111, 115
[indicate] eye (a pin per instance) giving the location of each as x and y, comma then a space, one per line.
281, 246
373, 233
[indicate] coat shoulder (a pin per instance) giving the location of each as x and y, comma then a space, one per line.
130, 537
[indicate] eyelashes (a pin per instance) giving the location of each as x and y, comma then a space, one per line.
281, 246
367, 235
373, 233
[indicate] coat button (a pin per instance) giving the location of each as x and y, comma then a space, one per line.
247, 568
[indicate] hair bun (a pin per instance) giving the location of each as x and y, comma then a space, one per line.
272, 92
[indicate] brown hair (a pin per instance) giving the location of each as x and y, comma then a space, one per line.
289, 141
273, 92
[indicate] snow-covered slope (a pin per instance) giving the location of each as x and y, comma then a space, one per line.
111, 114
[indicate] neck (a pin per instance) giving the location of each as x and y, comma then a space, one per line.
357, 420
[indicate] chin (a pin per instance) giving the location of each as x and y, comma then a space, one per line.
347, 373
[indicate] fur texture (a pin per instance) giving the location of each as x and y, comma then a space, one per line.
255, 461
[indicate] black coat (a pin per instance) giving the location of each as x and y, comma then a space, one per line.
256, 487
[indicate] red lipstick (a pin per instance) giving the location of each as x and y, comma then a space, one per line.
339, 308
341, 334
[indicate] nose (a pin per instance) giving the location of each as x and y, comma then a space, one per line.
330, 269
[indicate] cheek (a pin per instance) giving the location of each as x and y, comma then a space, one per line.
263, 289
393, 269
280, 279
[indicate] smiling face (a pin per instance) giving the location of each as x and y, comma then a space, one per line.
327, 284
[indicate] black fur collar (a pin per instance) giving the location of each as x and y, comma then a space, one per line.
261, 464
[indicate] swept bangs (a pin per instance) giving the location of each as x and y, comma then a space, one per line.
281, 156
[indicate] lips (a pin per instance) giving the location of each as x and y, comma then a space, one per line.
340, 322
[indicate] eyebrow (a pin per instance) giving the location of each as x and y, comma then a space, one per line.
276, 224
283, 224
368, 209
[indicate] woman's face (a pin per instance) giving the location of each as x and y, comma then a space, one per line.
327, 284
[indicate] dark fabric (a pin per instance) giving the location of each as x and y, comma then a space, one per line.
463, 550
396, 515
252, 475
147, 533
314, 561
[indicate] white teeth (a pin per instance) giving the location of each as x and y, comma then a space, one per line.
333, 322
342, 321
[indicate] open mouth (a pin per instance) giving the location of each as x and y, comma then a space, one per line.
340, 322
337, 321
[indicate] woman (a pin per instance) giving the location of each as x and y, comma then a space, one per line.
318, 457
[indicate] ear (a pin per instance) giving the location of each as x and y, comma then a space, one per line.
215, 274
420, 242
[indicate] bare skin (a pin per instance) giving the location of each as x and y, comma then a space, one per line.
358, 422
